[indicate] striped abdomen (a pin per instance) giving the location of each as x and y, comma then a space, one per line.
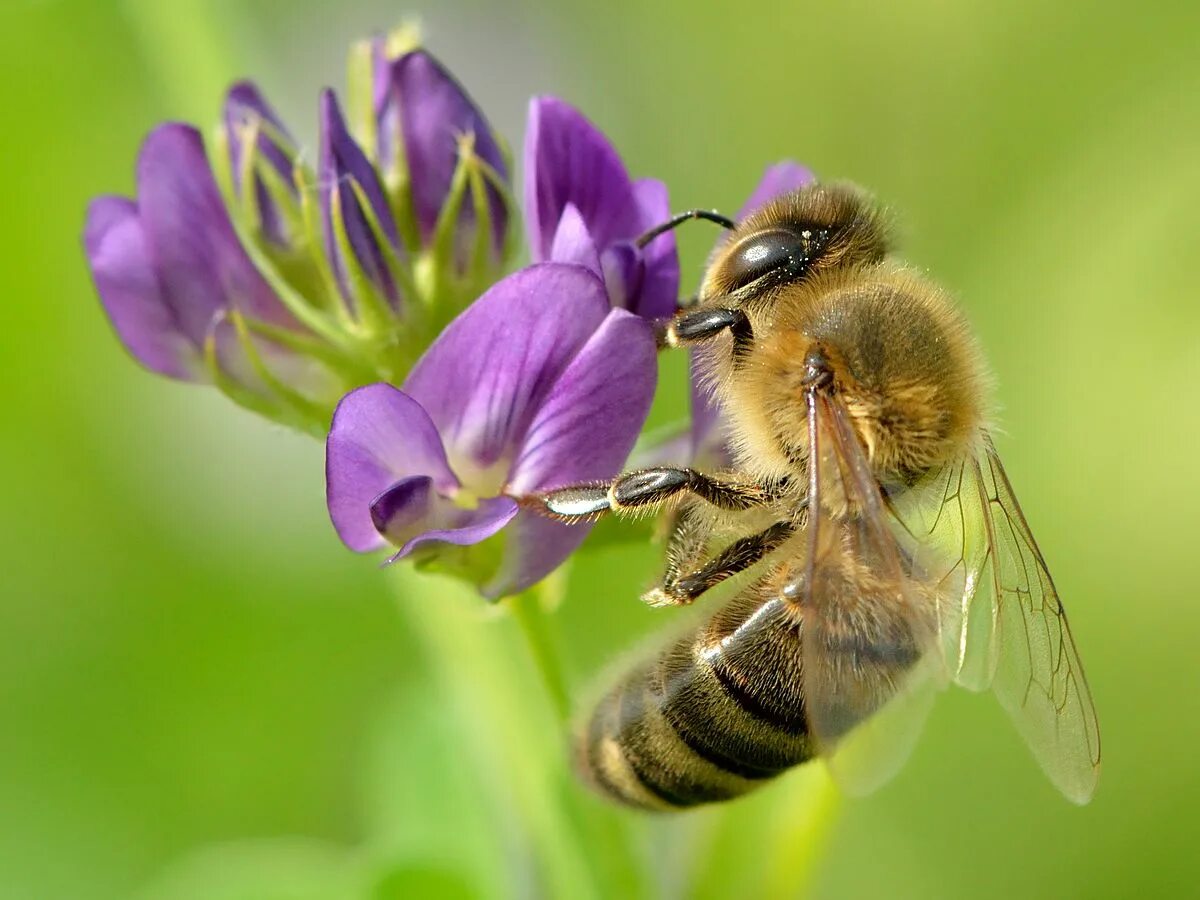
720, 712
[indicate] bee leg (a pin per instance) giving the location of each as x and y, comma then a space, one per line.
653, 487
577, 503
644, 490
681, 590
699, 325
687, 540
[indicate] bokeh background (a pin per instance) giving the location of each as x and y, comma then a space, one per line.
202, 694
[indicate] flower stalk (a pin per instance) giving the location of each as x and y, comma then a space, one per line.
512, 727
530, 611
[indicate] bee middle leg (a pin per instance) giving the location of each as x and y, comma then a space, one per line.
646, 490
680, 588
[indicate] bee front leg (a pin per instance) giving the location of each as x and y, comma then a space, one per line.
646, 490
695, 326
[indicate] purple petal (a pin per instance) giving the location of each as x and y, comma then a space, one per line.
583, 431
411, 513
435, 112
659, 291
200, 263
588, 422
781, 178
534, 547
379, 435
402, 506
573, 242
569, 160
130, 291
343, 164
485, 377
624, 273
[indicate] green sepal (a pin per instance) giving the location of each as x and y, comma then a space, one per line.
372, 313
310, 214
292, 300
395, 266
318, 414
475, 564
280, 412
347, 367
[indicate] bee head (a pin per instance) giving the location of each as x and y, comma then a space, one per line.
793, 238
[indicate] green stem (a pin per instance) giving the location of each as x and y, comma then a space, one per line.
799, 830
513, 734
529, 612
767, 844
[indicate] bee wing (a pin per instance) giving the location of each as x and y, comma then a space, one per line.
1000, 622
1038, 677
869, 635
944, 529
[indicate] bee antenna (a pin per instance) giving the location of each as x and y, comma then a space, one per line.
709, 215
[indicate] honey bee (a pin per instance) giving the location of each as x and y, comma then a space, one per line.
883, 551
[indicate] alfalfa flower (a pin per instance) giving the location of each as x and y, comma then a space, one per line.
286, 286
581, 206
540, 383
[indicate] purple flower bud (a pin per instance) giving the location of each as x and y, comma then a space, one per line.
169, 265
248, 117
427, 128
581, 204
537, 384
360, 234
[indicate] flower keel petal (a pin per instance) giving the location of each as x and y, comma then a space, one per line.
445, 523
379, 435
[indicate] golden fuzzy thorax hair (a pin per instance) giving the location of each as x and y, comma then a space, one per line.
903, 361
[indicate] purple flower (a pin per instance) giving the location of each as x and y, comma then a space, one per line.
582, 207
538, 384
169, 266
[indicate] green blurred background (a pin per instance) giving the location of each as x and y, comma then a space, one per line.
195, 676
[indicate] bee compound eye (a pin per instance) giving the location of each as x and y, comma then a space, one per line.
779, 252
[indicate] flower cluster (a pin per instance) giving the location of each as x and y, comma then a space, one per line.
363, 300
286, 286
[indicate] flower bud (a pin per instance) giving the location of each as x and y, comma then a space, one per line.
446, 174
360, 238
